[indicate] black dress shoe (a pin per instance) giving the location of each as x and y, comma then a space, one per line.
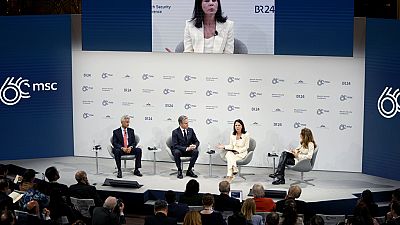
137, 173
180, 176
273, 175
279, 181
119, 174
191, 174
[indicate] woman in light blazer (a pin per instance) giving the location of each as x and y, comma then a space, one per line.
208, 31
236, 149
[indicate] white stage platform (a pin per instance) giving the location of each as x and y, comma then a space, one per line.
328, 185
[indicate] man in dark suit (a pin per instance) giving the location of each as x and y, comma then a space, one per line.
224, 202
184, 143
112, 213
124, 143
83, 190
175, 210
160, 215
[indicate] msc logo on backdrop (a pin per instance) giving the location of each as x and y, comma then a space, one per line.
11, 92
390, 98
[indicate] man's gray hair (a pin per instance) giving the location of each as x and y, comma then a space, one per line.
224, 186
258, 191
181, 119
110, 202
125, 117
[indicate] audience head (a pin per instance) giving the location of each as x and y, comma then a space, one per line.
208, 200
361, 210
183, 122
110, 202
7, 217
81, 177
52, 174
3, 185
249, 208
192, 187
3, 170
79, 222
238, 123
306, 137
289, 212
32, 207
272, 219
396, 195
395, 208
125, 119
170, 197
192, 218
258, 191
367, 197
224, 187
294, 192
161, 206
28, 176
317, 220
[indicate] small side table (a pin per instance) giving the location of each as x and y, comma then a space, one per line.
273, 155
210, 153
154, 150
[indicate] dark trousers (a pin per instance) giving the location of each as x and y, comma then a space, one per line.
286, 158
178, 154
135, 151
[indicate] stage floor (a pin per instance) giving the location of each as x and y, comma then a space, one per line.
328, 185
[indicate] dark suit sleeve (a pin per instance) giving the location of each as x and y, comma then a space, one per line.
175, 141
194, 139
132, 140
115, 142
96, 197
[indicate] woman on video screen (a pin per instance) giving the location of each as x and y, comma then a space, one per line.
208, 31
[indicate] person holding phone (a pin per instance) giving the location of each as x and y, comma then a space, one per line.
236, 149
208, 31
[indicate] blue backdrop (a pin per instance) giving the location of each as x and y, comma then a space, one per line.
38, 50
381, 154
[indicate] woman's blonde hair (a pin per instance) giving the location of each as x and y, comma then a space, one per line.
248, 208
192, 218
307, 137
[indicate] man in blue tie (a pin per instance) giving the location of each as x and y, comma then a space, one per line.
184, 143
124, 143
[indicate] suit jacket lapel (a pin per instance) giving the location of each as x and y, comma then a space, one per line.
218, 39
200, 40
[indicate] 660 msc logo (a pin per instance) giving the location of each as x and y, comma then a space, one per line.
13, 90
390, 98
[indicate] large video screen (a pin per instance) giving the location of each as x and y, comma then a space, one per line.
253, 26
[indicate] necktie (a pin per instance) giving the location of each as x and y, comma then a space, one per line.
185, 135
125, 139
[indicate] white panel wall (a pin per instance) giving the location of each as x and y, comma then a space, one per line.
274, 95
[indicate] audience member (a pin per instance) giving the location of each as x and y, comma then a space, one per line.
208, 215
160, 215
175, 209
317, 220
31, 191
249, 211
224, 202
83, 189
7, 218
3, 175
289, 214
272, 219
79, 222
34, 217
395, 198
262, 204
294, 193
6, 202
368, 199
60, 202
362, 213
395, 211
112, 213
192, 218
191, 195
